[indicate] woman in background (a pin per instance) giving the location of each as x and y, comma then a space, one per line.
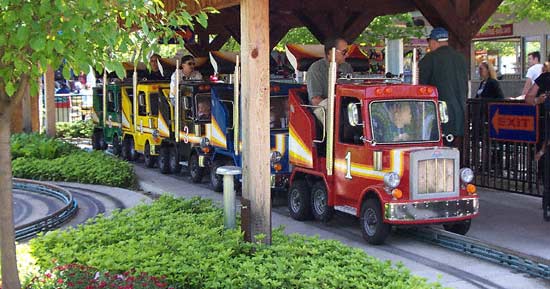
489, 86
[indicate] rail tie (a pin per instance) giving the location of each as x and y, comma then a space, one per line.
51, 221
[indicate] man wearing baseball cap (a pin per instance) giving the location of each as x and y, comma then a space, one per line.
446, 69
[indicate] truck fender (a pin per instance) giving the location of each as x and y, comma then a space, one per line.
376, 191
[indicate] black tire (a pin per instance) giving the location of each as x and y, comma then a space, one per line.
174, 160
196, 172
299, 204
458, 228
96, 140
117, 147
319, 203
373, 228
216, 181
149, 160
125, 152
164, 160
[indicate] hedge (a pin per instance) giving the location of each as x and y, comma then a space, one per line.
184, 240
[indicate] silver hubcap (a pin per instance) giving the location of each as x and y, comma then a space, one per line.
295, 202
370, 221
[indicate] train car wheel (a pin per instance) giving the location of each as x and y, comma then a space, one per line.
458, 228
299, 204
216, 181
319, 203
164, 160
117, 148
196, 172
174, 160
373, 228
149, 160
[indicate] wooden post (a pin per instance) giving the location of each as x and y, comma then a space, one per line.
26, 108
49, 96
255, 113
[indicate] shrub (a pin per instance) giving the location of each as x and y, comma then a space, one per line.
78, 129
80, 166
185, 241
39, 146
74, 276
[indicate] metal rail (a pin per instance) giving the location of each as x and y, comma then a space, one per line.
49, 222
531, 265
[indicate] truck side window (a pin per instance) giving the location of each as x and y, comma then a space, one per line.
349, 134
142, 107
110, 101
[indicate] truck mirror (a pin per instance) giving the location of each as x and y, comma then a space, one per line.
187, 102
443, 112
353, 114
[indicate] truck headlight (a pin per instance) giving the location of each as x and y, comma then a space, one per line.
275, 157
205, 142
466, 175
156, 133
392, 180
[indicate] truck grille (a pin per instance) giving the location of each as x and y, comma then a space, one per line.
436, 176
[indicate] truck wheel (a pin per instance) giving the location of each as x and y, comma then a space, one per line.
148, 158
196, 172
125, 153
174, 160
116, 146
164, 160
374, 230
458, 228
96, 140
319, 203
216, 181
299, 200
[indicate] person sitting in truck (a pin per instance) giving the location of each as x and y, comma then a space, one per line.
392, 122
203, 110
317, 74
157, 71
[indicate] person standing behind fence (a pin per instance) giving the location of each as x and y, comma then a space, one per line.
446, 69
537, 94
534, 71
489, 86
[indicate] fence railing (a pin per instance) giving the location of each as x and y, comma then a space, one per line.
506, 165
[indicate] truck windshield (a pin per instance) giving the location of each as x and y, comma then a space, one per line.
404, 121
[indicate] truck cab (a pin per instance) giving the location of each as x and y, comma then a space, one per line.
140, 120
388, 166
187, 123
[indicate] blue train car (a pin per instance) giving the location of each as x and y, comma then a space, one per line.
223, 136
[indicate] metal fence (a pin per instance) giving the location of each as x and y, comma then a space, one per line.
506, 165
70, 107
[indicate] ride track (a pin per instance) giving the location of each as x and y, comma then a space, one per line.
345, 225
63, 205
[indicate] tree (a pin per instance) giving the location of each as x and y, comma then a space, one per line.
518, 10
37, 34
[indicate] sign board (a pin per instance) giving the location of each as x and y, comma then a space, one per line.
496, 31
513, 122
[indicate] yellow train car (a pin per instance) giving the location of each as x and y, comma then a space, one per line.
140, 120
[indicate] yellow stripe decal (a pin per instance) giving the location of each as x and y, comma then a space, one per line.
218, 137
300, 154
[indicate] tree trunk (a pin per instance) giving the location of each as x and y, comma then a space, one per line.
10, 277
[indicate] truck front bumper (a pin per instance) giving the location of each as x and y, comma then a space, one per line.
431, 211
279, 181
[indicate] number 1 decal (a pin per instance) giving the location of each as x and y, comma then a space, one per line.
348, 165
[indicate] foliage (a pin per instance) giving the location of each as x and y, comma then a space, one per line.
518, 10
81, 128
39, 146
80, 166
185, 241
504, 48
74, 276
36, 34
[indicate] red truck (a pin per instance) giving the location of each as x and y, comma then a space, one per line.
382, 160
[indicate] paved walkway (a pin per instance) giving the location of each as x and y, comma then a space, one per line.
435, 263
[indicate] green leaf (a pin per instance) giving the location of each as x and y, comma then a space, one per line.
37, 43
120, 71
10, 88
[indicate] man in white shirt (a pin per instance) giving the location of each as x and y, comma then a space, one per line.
535, 69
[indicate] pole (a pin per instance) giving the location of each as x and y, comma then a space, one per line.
255, 113
134, 87
49, 96
415, 67
236, 83
329, 122
177, 101
104, 102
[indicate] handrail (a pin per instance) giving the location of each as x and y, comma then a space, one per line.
51, 221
